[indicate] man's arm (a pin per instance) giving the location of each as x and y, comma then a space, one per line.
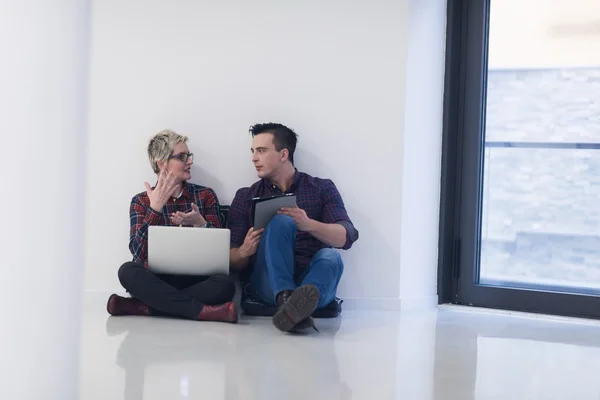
336, 230
334, 213
239, 226
236, 261
333, 235
240, 256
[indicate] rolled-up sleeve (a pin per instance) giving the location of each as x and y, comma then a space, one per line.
334, 212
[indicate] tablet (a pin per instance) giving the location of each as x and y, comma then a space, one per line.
265, 208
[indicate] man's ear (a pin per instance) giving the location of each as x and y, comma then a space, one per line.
161, 165
285, 154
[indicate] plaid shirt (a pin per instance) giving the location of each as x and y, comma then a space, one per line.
318, 197
141, 215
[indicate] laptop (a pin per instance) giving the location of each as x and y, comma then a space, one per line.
188, 251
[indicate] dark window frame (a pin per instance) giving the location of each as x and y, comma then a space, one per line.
461, 179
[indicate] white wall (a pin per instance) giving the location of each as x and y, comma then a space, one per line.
422, 153
43, 87
334, 71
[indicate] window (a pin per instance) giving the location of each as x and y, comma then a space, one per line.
521, 196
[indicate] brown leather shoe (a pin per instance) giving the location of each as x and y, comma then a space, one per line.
118, 305
226, 312
299, 306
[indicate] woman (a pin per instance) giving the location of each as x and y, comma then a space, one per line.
173, 201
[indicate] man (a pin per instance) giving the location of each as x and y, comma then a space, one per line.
291, 262
173, 201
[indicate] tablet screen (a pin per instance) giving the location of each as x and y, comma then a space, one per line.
266, 208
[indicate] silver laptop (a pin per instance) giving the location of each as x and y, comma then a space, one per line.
188, 251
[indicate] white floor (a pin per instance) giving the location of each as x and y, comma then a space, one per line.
449, 353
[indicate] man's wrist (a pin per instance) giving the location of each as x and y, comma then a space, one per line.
242, 254
312, 226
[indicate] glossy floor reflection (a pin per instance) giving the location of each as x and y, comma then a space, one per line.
443, 354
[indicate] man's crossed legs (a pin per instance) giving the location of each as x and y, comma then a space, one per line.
273, 276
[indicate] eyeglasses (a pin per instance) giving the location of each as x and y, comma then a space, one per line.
183, 157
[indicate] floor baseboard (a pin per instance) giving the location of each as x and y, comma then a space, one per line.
390, 304
350, 303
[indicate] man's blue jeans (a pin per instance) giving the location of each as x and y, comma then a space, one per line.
273, 270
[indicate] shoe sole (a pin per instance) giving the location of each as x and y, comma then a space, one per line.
304, 325
301, 304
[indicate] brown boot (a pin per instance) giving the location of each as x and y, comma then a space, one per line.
222, 313
299, 306
118, 305
305, 324
282, 297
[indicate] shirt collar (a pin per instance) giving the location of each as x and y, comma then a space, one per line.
186, 190
270, 185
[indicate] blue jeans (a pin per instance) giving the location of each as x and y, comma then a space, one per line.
273, 270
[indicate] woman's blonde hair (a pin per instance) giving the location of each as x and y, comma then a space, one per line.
161, 147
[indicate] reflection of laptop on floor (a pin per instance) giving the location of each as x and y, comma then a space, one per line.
188, 251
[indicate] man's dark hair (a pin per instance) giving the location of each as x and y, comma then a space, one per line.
283, 137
